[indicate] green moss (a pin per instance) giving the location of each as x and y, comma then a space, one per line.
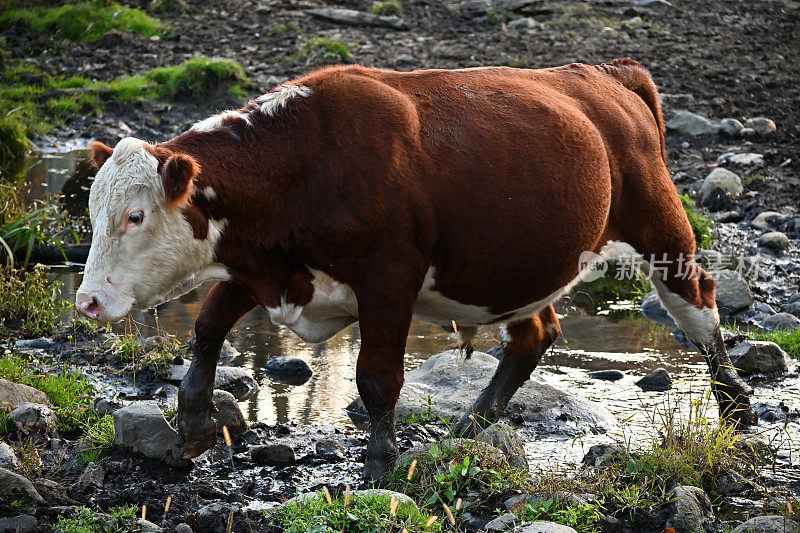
389, 7
701, 224
85, 520
326, 50
196, 77
84, 21
363, 513
277, 29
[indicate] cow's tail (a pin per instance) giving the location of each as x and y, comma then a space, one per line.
635, 78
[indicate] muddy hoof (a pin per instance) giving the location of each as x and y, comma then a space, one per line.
198, 435
467, 427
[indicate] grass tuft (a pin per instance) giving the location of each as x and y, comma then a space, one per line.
85, 520
29, 303
389, 7
701, 224
325, 51
84, 21
787, 339
362, 513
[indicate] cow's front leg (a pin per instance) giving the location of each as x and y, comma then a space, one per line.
225, 304
384, 322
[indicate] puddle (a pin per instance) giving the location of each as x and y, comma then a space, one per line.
634, 346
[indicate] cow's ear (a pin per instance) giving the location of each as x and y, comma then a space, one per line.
178, 173
100, 153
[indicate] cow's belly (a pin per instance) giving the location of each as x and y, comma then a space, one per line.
333, 307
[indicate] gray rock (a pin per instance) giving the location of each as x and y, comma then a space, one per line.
521, 23
766, 219
733, 292
543, 527
8, 459
23, 523
649, 3
507, 440
657, 380
228, 414
754, 357
217, 509
142, 429
719, 187
692, 124
768, 524
793, 308
501, 523
183, 528
452, 384
12, 395
747, 132
606, 375
653, 310
781, 321
237, 381
35, 418
599, 453
92, 476
744, 159
761, 125
404, 59
290, 370
765, 308
15, 487
774, 240
352, 16
145, 526
41, 343
730, 483
105, 407
731, 126
275, 454
330, 449
690, 509
388, 494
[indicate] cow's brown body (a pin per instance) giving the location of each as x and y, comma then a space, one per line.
454, 195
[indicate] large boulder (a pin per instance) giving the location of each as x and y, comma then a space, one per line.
733, 292
15, 487
289, 370
768, 524
719, 188
781, 321
452, 383
12, 395
757, 357
689, 510
141, 428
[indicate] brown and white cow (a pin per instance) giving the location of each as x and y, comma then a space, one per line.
357, 194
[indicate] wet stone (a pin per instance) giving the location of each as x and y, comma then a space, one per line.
276, 454
690, 509
774, 240
719, 188
761, 125
768, 524
756, 357
92, 476
781, 321
730, 126
183, 528
543, 527
730, 482
766, 219
793, 308
732, 292
15, 487
501, 523
330, 449
599, 453
658, 380
145, 526
289, 370
228, 414
104, 406
142, 429
606, 375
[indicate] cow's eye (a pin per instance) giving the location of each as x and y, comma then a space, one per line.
136, 217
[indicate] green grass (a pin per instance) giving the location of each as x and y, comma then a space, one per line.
787, 339
389, 7
278, 29
579, 15
86, 520
29, 303
69, 392
98, 436
363, 513
158, 360
701, 224
325, 50
32, 101
451, 469
83, 21
583, 518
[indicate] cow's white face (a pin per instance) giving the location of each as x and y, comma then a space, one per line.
143, 250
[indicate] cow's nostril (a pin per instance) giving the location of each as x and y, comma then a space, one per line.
88, 306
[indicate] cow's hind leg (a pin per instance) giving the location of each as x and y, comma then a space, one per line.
691, 303
524, 344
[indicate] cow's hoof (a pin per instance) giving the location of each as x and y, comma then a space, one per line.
467, 427
375, 472
198, 435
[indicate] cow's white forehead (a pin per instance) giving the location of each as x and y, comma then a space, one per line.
129, 172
